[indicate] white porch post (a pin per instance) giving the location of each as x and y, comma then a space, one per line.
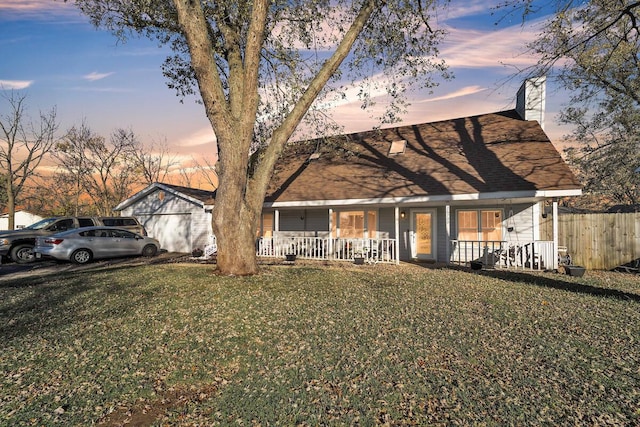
397, 231
555, 234
276, 220
330, 228
447, 225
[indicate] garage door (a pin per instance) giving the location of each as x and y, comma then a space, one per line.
172, 230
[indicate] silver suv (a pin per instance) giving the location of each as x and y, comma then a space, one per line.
18, 244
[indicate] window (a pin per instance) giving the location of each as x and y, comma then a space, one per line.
119, 222
62, 225
120, 234
480, 225
85, 222
354, 224
266, 226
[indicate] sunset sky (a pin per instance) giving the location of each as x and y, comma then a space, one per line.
58, 59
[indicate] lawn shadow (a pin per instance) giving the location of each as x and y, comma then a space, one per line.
53, 299
560, 284
547, 281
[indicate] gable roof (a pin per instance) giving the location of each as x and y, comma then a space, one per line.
490, 155
195, 195
206, 197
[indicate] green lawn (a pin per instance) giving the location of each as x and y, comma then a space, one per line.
174, 344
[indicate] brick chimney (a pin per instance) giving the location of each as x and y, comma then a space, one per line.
531, 98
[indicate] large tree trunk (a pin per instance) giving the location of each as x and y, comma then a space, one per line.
235, 234
234, 221
241, 192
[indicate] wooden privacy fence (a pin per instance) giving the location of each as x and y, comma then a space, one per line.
600, 241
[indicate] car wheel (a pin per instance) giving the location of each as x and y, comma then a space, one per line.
22, 254
149, 250
81, 256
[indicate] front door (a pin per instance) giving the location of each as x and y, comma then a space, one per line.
423, 226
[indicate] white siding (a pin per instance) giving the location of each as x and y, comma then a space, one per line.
317, 220
443, 240
21, 220
405, 234
172, 230
178, 223
304, 222
386, 223
292, 220
523, 221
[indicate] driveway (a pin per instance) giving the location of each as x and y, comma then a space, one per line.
12, 271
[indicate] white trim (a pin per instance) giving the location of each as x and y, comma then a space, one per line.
155, 186
447, 228
555, 234
331, 230
498, 195
535, 220
396, 213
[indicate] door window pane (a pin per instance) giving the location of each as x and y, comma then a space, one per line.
372, 225
491, 225
354, 224
423, 233
467, 225
267, 225
351, 224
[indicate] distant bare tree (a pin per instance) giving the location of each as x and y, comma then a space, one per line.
185, 176
103, 171
154, 162
206, 169
3, 193
23, 146
198, 174
57, 200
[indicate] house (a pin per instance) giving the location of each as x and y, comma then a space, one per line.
450, 191
179, 217
22, 219
461, 190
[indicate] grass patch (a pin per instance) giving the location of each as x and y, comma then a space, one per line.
312, 345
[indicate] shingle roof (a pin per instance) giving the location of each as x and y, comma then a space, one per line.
205, 196
497, 152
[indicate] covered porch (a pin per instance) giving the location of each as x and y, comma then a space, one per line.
525, 255
506, 234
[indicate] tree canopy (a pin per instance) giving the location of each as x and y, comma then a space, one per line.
593, 49
260, 67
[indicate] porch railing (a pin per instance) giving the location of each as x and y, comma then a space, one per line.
323, 248
529, 255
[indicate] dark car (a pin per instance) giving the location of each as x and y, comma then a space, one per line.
84, 244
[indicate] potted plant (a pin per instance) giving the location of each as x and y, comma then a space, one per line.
358, 258
574, 270
476, 265
290, 257
197, 253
